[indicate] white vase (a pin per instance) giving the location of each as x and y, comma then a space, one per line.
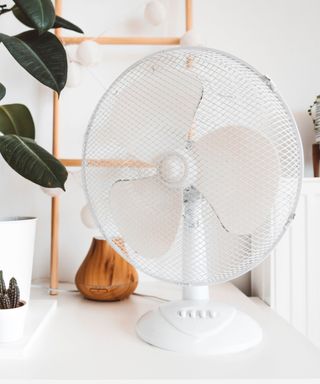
17, 236
12, 323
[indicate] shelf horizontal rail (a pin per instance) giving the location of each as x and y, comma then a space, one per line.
123, 40
108, 163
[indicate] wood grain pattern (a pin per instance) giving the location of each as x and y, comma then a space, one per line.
54, 250
108, 163
105, 40
188, 15
104, 275
54, 247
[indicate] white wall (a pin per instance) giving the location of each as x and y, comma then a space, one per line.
289, 280
278, 37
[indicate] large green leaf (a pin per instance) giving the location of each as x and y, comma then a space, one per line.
32, 162
59, 22
21, 16
63, 23
2, 91
38, 14
42, 56
16, 119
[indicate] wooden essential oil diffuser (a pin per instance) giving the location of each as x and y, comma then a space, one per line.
104, 275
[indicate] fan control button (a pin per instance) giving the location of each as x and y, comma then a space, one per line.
182, 313
203, 314
194, 313
213, 314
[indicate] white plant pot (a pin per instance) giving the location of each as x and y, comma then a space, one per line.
12, 323
17, 236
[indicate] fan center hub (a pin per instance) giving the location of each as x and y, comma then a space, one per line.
173, 168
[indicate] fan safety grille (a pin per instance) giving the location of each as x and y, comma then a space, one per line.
192, 166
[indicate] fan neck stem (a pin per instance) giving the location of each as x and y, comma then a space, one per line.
195, 292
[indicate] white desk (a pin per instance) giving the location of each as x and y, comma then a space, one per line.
86, 340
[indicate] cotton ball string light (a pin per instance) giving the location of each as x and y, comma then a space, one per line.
52, 192
87, 218
155, 12
191, 39
71, 51
88, 53
76, 176
75, 75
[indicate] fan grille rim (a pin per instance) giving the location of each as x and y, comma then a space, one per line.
294, 130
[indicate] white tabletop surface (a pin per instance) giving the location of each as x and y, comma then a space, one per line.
93, 341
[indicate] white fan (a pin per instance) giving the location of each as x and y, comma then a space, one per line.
193, 159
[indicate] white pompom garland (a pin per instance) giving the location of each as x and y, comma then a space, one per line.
87, 218
191, 39
88, 53
52, 192
155, 12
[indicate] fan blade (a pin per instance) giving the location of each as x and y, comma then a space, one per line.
153, 114
147, 214
238, 173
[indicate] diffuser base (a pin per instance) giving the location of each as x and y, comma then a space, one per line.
201, 327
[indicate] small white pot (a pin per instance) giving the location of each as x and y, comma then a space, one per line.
12, 323
17, 235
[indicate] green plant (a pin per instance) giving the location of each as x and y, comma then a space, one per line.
9, 298
3, 288
41, 54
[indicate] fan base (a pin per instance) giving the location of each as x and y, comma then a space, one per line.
199, 327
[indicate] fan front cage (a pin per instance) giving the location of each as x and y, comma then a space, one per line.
240, 149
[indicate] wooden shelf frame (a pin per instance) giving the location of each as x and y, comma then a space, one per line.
104, 40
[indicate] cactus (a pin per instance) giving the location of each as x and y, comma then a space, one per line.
3, 288
5, 301
9, 298
12, 282
14, 293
